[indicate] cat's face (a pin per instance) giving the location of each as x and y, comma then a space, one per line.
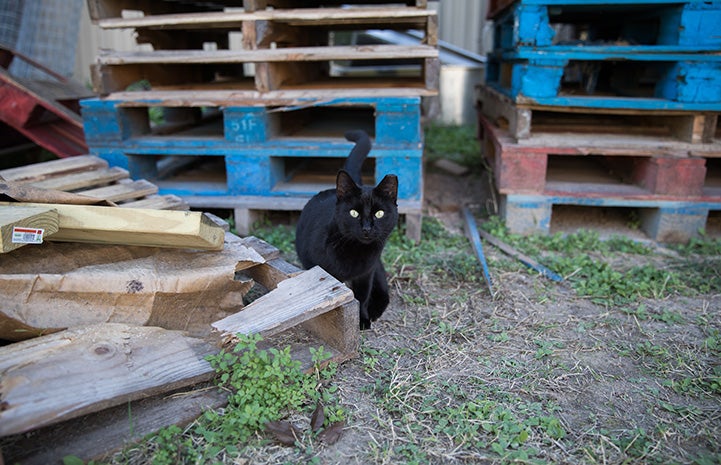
366, 214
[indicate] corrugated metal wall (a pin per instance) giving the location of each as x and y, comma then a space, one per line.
460, 22
463, 23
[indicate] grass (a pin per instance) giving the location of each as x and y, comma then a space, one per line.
618, 364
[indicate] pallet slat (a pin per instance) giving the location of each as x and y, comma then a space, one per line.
295, 54
82, 180
294, 300
63, 166
306, 16
129, 362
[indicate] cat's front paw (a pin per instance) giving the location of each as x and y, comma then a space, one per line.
365, 323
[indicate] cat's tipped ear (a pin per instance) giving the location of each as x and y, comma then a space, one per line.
388, 186
344, 185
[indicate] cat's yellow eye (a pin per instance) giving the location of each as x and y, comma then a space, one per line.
379, 214
354, 213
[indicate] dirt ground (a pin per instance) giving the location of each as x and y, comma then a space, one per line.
531, 374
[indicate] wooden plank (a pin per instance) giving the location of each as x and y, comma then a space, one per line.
75, 181
198, 96
46, 380
94, 436
299, 17
15, 218
122, 191
340, 328
134, 226
294, 301
341, 52
158, 202
40, 171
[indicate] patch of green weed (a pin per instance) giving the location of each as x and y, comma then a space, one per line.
281, 236
264, 385
456, 143
439, 252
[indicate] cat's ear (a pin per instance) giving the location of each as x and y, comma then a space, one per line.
345, 186
388, 187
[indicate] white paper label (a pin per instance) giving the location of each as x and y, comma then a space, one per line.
27, 235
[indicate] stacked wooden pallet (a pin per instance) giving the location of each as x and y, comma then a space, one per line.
605, 103
262, 121
103, 328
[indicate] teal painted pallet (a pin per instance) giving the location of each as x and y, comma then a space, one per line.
608, 79
261, 150
681, 26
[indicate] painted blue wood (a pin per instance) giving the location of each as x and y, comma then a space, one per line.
397, 120
605, 52
255, 150
691, 82
614, 2
671, 206
103, 122
246, 125
690, 24
684, 82
663, 220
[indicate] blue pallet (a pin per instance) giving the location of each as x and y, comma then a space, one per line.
396, 120
254, 149
685, 26
262, 173
661, 220
693, 84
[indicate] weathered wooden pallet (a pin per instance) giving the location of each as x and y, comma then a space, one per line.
262, 150
527, 120
673, 191
265, 153
684, 26
661, 220
537, 166
112, 9
311, 300
91, 176
599, 77
46, 112
276, 69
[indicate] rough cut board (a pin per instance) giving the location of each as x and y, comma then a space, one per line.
47, 379
58, 285
85, 369
294, 300
341, 52
134, 226
63, 166
307, 16
12, 217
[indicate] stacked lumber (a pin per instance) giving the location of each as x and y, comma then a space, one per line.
605, 104
255, 100
123, 309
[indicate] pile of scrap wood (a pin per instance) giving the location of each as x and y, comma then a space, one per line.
122, 305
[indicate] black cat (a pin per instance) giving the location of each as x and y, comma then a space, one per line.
344, 230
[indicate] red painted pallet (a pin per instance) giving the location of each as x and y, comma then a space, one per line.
673, 192
46, 112
587, 165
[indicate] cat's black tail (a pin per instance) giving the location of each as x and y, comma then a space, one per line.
355, 159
